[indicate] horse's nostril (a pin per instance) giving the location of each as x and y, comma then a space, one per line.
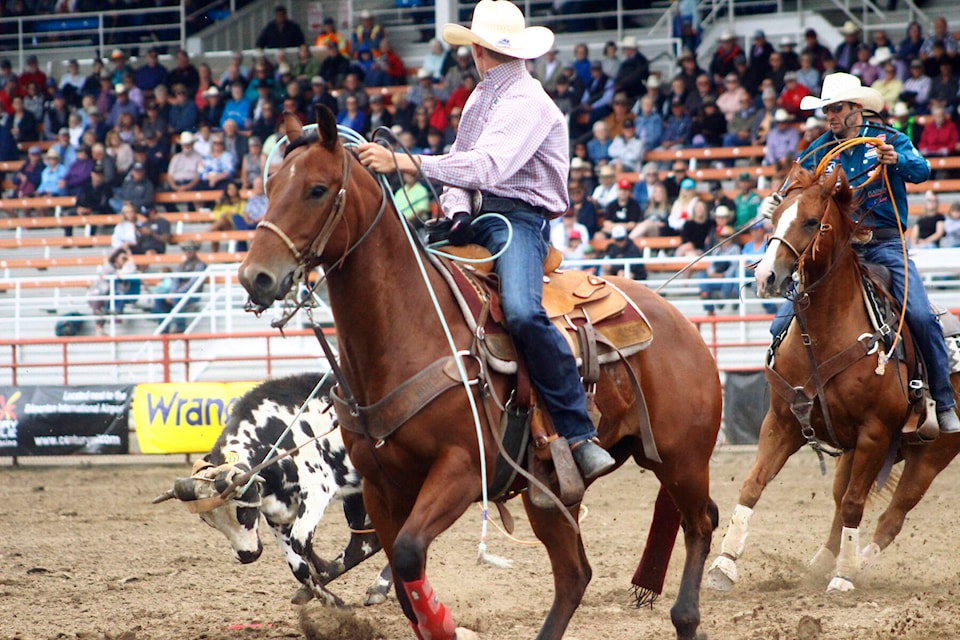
263, 282
771, 278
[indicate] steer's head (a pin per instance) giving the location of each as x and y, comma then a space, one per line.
237, 517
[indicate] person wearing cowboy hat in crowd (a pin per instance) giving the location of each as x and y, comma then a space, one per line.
782, 141
848, 106
916, 88
791, 59
813, 128
633, 72
905, 122
846, 52
722, 62
512, 146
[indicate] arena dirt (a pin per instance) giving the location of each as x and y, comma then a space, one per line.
84, 555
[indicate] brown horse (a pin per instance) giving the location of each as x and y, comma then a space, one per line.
865, 405
326, 209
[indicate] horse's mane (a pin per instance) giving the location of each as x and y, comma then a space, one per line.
305, 140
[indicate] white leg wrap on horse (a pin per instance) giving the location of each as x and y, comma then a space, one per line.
823, 562
736, 535
869, 555
848, 561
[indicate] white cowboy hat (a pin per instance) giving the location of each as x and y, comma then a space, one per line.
843, 87
901, 109
849, 27
781, 115
881, 56
628, 42
499, 25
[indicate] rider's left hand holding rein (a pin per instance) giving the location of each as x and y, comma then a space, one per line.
384, 160
887, 154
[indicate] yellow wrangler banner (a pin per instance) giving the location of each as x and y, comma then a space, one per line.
183, 417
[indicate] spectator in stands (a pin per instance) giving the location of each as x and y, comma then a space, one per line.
229, 205
728, 102
321, 95
151, 74
582, 207
95, 123
305, 66
763, 120
135, 188
98, 151
351, 116
905, 122
622, 248
423, 86
458, 99
454, 76
597, 100
674, 178
71, 83
6, 72
678, 126
626, 150
32, 73
649, 123
944, 87
105, 97
437, 114
698, 231
330, 34
237, 108
252, 163
581, 62
721, 64
941, 34
33, 101
813, 128
576, 249
103, 295
436, 59
51, 178
682, 208
265, 123
352, 86
184, 115
390, 64
725, 270
26, 180
864, 67
940, 136
121, 151
367, 33
793, 92
152, 122
747, 200
125, 232
236, 72
547, 69
122, 104
709, 125
184, 74
412, 198
916, 88
951, 228
759, 67
153, 232
718, 197
704, 89
606, 191
21, 123
218, 168
78, 173
127, 129
927, 230
655, 214
620, 114
183, 172
598, 146
282, 33
610, 59
816, 50
791, 59
561, 229
912, 43
808, 75
419, 128
335, 66
846, 52
56, 117
234, 143
191, 264
649, 176
254, 209
889, 85
782, 141
575, 86
378, 115
94, 198
623, 210
633, 72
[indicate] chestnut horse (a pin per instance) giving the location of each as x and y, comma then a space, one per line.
865, 404
326, 209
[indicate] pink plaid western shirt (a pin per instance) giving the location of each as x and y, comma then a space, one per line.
512, 143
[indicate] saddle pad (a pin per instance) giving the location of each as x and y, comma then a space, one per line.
571, 298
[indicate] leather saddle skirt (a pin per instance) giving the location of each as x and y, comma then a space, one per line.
572, 300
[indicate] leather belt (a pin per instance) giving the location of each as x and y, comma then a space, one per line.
885, 233
498, 204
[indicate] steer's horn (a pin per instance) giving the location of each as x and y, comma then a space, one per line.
163, 497
183, 489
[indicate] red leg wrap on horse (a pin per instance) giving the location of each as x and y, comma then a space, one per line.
434, 619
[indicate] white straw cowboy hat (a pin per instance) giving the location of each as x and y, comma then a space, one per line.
499, 25
843, 87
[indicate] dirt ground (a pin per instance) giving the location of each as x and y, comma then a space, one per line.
83, 554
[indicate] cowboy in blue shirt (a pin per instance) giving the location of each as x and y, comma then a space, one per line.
843, 100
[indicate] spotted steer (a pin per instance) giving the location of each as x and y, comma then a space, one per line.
292, 494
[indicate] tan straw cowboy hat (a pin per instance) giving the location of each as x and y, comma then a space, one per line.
843, 87
499, 25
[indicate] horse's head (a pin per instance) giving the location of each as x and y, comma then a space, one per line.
305, 221
813, 219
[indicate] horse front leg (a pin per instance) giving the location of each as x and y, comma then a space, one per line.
865, 464
568, 561
776, 445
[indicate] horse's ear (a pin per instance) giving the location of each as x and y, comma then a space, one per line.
292, 126
326, 126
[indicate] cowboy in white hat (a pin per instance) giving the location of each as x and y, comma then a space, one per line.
633, 70
850, 108
511, 157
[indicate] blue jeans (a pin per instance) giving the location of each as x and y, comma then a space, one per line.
553, 370
923, 323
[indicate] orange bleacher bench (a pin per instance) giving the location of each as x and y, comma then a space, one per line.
169, 259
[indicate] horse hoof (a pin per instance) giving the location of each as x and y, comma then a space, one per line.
839, 584
302, 596
822, 564
869, 555
374, 597
722, 574
462, 633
